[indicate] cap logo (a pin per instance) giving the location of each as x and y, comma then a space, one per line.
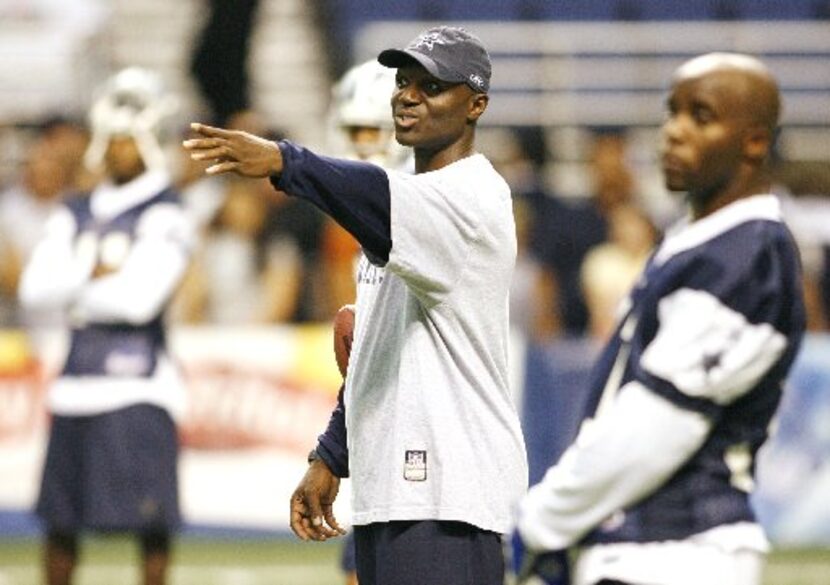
428, 41
476, 80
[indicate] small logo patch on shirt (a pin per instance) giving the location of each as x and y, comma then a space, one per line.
415, 466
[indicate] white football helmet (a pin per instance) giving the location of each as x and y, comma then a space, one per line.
362, 99
133, 102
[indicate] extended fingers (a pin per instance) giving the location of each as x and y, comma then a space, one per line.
203, 143
219, 153
222, 167
206, 130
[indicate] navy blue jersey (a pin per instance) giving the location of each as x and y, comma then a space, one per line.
121, 348
712, 326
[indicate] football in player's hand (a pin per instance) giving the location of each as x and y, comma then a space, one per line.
343, 336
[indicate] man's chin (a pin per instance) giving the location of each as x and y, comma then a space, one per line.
404, 138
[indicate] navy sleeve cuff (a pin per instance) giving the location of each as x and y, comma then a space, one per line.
355, 194
336, 462
331, 446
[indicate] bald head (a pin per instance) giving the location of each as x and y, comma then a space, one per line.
751, 82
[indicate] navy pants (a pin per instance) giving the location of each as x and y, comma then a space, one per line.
428, 552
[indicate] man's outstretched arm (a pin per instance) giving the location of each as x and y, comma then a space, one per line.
354, 194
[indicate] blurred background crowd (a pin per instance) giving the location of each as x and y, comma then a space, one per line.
577, 100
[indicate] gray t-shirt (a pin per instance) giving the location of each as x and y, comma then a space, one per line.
432, 430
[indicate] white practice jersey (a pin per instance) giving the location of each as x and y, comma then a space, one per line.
432, 430
140, 232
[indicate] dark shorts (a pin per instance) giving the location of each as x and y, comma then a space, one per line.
428, 552
111, 472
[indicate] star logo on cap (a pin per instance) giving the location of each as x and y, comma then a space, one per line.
428, 41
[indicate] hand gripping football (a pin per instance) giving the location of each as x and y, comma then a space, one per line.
343, 336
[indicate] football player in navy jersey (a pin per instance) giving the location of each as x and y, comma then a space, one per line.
655, 488
111, 261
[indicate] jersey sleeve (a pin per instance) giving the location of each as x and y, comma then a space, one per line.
55, 273
332, 444
433, 229
718, 335
594, 477
355, 194
139, 290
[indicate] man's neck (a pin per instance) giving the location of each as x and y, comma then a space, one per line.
755, 184
427, 160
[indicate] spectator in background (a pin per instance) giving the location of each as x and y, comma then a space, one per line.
804, 188
258, 255
220, 57
51, 170
566, 231
68, 139
610, 269
520, 155
534, 290
225, 283
252, 265
111, 261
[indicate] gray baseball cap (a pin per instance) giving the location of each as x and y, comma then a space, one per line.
450, 53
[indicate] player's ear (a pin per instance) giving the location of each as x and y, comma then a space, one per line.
757, 143
476, 106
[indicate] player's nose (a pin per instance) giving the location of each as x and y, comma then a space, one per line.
406, 96
672, 129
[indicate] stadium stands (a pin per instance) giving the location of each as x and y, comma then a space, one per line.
50, 64
601, 74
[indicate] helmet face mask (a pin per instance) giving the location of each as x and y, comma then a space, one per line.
133, 103
361, 107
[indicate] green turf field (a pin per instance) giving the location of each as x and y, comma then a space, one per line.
282, 562
108, 561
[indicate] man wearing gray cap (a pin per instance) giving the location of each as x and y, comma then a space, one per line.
425, 427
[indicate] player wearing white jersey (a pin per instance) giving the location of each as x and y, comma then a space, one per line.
111, 260
427, 430
655, 488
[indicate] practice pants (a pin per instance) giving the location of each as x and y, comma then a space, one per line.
428, 552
